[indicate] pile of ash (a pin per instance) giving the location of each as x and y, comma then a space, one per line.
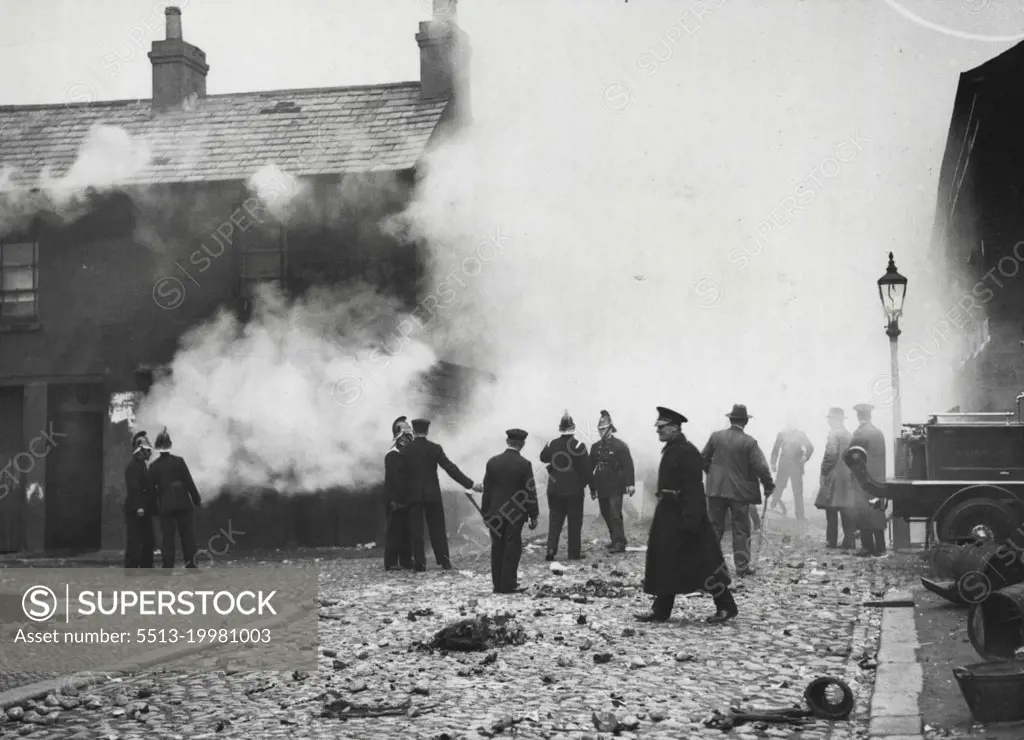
483, 632
595, 587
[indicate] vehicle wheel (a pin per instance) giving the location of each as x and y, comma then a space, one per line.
976, 518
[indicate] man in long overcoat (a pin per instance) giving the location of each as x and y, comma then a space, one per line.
397, 537
509, 500
871, 519
837, 494
569, 472
736, 466
423, 458
791, 451
614, 477
683, 552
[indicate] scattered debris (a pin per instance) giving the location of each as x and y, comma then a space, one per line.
479, 633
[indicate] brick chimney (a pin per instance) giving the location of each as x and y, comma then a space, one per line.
179, 69
444, 55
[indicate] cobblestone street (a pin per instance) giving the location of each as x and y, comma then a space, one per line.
581, 656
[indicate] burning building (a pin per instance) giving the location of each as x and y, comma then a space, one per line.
979, 231
125, 224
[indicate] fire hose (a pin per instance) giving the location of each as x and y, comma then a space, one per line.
819, 707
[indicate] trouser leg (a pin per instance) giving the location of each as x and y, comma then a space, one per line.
575, 516
755, 517
414, 519
740, 536
392, 537
848, 517
832, 526
724, 600
187, 533
168, 532
781, 481
497, 553
717, 510
147, 542
403, 538
436, 528
512, 551
557, 513
132, 545
798, 495
879, 537
611, 510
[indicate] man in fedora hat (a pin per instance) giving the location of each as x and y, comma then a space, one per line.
614, 477
683, 552
397, 536
423, 458
139, 506
509, 500
735, 465
871, 519
837, 494
569, 472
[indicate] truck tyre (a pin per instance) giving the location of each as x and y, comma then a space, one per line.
997, 519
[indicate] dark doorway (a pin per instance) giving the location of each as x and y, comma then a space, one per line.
12, 493
74, 468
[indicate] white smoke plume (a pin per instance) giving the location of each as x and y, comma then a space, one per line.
108, 158
289, 401
648, 258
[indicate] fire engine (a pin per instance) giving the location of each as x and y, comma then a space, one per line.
961, 472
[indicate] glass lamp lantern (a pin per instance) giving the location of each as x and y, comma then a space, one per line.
892, 289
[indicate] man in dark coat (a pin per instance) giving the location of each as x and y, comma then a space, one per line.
569, 471
614, 478
683, 552
509, 500
871, 519
735, 465
178, 496
397, 538
139, 506
423, 458
790, 453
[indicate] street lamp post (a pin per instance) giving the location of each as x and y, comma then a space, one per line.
892, 289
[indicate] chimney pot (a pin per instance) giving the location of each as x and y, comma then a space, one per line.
173, 15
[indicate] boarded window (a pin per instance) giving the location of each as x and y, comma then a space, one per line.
19, 280
264, 258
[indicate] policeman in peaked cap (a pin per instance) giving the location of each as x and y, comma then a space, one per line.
870, 512
509, 501
423, 458
683, 554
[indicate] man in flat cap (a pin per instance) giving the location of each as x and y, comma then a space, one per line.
837, 494
139, 506
509, 500
397, 537
614, 478
871, 518
735, 466
683, 552
423, 458
569, 472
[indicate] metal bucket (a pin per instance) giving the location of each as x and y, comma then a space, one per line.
995, 625
994, 692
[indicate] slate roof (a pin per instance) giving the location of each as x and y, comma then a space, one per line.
321, 131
